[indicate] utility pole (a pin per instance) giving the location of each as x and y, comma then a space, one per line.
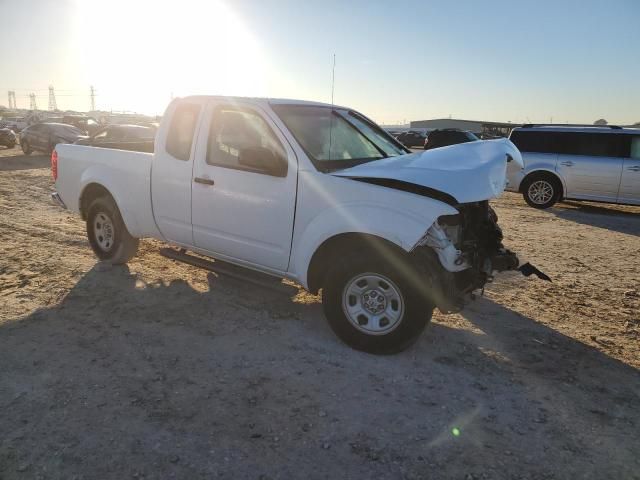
52, 99
93, 98
32, 102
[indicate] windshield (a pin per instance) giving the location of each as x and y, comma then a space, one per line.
337, 138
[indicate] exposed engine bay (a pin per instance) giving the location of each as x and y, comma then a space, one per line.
461, 252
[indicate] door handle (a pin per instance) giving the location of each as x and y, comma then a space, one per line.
635, 168
567, 163
203, 181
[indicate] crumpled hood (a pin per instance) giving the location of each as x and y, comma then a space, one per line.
469, 172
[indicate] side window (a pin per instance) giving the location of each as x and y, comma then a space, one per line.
537, 142
241, 139
181, 130
635, 147
592, 144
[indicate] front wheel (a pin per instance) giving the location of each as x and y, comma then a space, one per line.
108, 235
541, 192
373, 307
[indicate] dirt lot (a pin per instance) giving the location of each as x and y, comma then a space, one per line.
161, 370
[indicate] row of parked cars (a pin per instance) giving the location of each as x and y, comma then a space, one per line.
435, 139
45, 136
577, 162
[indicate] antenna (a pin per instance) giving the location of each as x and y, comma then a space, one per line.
333, 82
333, 78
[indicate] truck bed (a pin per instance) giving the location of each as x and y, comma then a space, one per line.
125, 173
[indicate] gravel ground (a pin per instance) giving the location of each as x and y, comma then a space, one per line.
161, 370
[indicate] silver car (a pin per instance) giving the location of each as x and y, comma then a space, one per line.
592, 163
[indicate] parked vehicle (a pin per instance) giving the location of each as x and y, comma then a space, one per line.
595, 163
87, 124
122, 137
314, 193
444, 137
14, 123
7, 137
45, 136
411, 138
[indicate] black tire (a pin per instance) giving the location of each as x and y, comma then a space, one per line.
115, 244
534, 186
416, 308
26, 148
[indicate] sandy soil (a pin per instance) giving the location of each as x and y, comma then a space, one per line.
161, 370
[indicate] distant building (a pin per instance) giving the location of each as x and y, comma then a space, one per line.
489, 129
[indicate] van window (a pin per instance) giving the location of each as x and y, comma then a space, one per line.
538, 142
181, 130
635, 147
593, 144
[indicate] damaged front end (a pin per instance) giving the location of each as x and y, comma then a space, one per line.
460, 253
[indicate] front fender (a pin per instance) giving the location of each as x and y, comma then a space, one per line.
399, 217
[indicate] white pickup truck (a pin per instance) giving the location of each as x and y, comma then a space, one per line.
315, 193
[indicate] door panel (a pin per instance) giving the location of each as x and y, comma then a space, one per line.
591, 165
594, 178
172, 171
630, 182
239, 211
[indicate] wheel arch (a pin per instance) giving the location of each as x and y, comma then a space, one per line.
89, 193
345, 244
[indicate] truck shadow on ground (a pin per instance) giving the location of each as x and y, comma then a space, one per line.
159, 379
609, 217
19, 161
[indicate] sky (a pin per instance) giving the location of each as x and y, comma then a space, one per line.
519, 61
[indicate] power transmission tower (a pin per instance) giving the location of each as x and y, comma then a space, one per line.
32, 102
12, 99
52, 99
93, 98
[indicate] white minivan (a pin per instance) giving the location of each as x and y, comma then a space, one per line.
595, 163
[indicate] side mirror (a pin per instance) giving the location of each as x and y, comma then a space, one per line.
264, 160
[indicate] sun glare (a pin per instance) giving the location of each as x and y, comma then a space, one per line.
140, 52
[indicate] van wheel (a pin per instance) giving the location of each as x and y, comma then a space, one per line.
372, 307
108, 235
541, 191
26, 148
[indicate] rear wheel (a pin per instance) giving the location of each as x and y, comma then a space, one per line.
108, 235
541, 191
26, 148
371, 305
